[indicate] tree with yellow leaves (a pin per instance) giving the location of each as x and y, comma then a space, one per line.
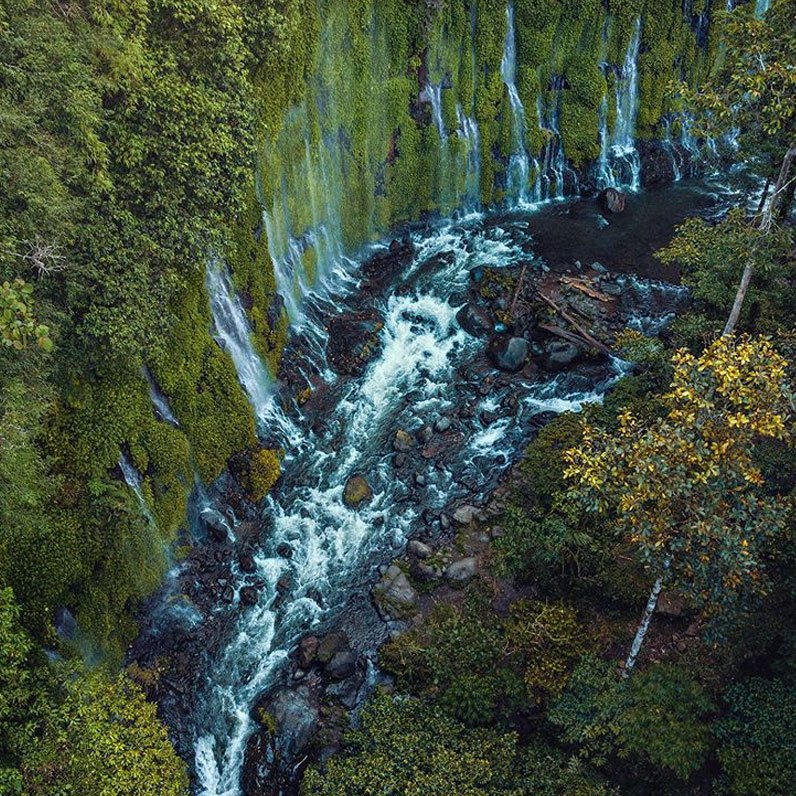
685, 489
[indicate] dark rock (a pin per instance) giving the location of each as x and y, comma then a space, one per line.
353, 341
458, 299
357, 490
425, 434
283, 584
561, 354
259, 766
307, 649
248, 595
295, 717
419, 549
475, 320
216, 527
384, 266
477, 273
462, 571
342, 664
246, 563
442, 425
508, 353
399, 460
228, 594
613, 200
331, 644
347, 691
284, 550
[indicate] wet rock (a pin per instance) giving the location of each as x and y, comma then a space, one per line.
613, 201
394, 595
508, 353
458, 299
353, 341
444, 522
216, 527
295, 717
599, 268
284, 550
419, 549
464, 515
246, 563
403, 441
477, 274
560, 354
330, 645
357, 490
420, 479
248, 595
475, 320
425, 434
283, 584
442, 425
228, 594
347, 691
399, 460
259, 765
384, 266
461, 572
306, 652
611, 289
342, 664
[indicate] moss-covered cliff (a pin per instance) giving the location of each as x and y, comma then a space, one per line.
275, 134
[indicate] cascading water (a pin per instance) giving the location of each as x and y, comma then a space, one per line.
519, 168
159, 400
619, 163
468, 133
761, 6
133, 479
423, 352
550, 179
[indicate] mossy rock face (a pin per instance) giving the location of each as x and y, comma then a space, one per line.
357, 491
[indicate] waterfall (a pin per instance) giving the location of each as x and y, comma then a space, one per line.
519, 162
447, 194
669, 144
619, 164
550, 178
234, 336
468, 132
761, 6
133, 479
159, 400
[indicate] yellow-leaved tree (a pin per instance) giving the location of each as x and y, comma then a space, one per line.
684, 488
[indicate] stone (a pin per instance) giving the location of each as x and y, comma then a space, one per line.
330, 645
425, 434
395, 596
295, 717
419, 549
216, 527
464, 515
347, 691
477, 273
508, 353
403, 441
561, 354
357, 490
284, 550
248, 595
306, 652
246, 563
613, 201
420, 479
442, 425
462, 571
599, 268
353, 341
475, 320
342, 665
611, 289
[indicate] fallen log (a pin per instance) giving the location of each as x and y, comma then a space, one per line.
593, 342
584, 287
565, 335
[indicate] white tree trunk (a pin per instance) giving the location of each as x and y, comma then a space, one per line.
646, 618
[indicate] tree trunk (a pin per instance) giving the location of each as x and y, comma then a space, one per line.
766, 219
646, 618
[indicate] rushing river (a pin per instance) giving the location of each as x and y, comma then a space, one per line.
424, 371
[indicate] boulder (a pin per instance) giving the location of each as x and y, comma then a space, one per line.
462, 571
613, 200
475, 320
246, 563
561, 354
248, 595
464, 515
342, 665
353, 341
508, 353
295, 717
394, 595
403, 441
442, 425
306, 652
419, 549
330, 645
357, 490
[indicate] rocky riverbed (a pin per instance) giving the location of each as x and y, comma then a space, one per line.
414, 394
